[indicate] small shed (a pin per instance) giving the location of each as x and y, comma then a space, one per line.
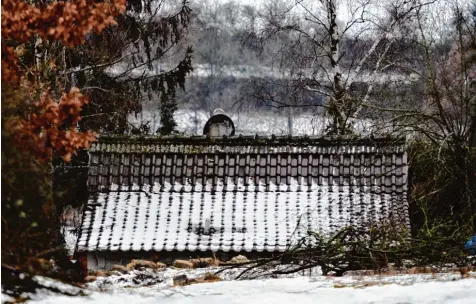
178, 197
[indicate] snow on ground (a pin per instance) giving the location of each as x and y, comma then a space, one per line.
47, 289
124, 288
162, 279
287, 290
70, 238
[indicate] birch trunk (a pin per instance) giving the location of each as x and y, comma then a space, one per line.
337, 96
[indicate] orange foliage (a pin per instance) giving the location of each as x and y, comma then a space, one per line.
51, 126
43, 128
67, 21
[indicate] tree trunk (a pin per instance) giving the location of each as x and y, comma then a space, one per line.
338, 96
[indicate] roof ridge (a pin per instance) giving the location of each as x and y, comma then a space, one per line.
253, 140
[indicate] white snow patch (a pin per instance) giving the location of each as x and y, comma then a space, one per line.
52, 283
70, 238
291, 290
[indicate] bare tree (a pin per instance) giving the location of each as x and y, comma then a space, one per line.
338, 50
446, 118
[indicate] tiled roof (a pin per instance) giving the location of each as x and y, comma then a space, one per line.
237, 193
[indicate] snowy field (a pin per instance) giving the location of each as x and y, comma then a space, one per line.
418, 288
248, 123
297, 290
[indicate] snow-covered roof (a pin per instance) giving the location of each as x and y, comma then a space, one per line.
237, 194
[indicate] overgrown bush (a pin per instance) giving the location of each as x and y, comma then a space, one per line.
442, 183
371, 248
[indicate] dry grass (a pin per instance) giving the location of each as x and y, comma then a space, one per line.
207, 278
211, 277
204, 262
136, 264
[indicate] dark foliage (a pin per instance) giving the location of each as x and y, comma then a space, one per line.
118, 68
443, 185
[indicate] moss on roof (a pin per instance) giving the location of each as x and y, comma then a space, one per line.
252, 140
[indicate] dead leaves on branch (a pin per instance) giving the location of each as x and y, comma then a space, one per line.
44, 130
66, 21
50, 125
